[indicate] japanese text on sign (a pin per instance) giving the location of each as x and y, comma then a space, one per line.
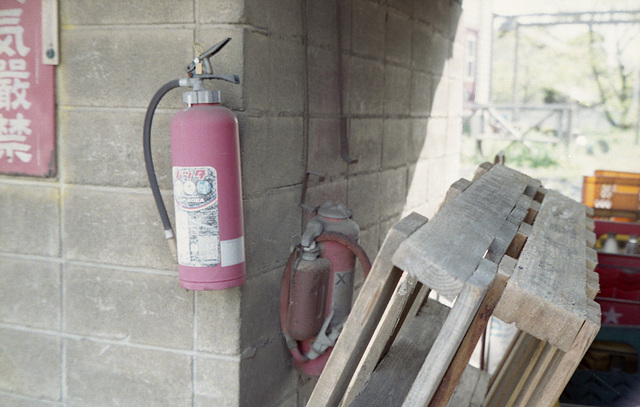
27, 124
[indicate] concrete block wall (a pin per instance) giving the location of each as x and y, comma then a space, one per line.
91, 313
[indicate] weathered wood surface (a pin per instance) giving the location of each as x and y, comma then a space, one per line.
364, 317
392, 318
546, 294
565, 363
392, 378
474, 332
445, 252
471, 388
545, 284
451, 335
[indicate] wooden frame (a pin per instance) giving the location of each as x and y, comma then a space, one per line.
500, 245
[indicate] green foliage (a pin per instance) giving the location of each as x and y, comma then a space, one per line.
591, 66
536, 156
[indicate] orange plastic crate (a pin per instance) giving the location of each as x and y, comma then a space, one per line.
613, 197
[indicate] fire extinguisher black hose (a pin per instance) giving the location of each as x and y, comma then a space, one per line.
148, 160
286, 282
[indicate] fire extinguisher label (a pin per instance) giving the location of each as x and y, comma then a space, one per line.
195, 191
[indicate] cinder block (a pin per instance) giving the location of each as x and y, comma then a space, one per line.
140, 308
30, 293
346, 24
324, 147
421, 37
393, 192
417, 185
305, 388
121, 68
272, 152
271, 226
19, 401
217, 382
281, 17
455, 98
89, 138
418, 148
324, 89
398, 34
455, 65
30, 219
365, 144
396, 141
364, 86
229, 61
321, 18
261, 293
220, 11
369, 241
421, 94
364, 198
440, 100
114, 227
267, 376
397, 91
273, 75
77, 12
441, 13
218, 321
368, 28
439, 50
101, 374
319, 193
437, 184
30, 364
436, 137
405, 7
454, 135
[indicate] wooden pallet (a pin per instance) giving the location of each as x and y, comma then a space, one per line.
500, 246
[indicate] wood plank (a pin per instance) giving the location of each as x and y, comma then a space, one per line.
392, 378
454, 191
539, 370
481, 170
524, 375
516, 361
480, 391
546, 295
382, 336
367, 310
451, 335
473, 334
466, 387
593, 284
444, 253
549, 391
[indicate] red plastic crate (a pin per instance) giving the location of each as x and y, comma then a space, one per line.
619, 295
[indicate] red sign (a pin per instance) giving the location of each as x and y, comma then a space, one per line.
27, 92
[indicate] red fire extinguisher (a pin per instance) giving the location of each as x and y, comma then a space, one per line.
207, 190
317, 286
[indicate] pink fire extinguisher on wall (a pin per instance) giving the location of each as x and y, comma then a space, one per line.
317, 286
205, 156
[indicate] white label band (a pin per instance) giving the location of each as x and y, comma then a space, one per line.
232, 251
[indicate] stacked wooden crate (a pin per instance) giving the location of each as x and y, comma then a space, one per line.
499, 246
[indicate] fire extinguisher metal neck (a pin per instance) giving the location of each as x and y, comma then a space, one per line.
195, 97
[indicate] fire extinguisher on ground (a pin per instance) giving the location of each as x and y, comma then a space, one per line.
317, 286
207, 190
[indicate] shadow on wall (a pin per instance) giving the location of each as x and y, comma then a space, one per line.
385, 75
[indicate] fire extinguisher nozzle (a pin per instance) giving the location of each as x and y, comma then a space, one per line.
173, 247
